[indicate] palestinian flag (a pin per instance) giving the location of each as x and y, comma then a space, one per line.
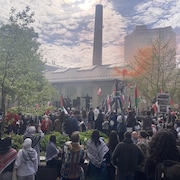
99, 92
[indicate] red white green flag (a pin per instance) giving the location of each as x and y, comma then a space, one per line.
99, 92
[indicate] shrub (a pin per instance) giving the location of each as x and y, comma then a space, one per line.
17, 140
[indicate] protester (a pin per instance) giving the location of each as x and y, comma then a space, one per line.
96, 152
112, 143
53, 154
113, 121
7, 159
46, 124
26, 163
143, 144
121, 127
84, 117
127, 157
131, 120
147, 121
91, 119
134, 137
22, 125
161, 147
105, 126
99, 121
57, 124
74, 122
72, 158
96, 112
62, 119
31, 133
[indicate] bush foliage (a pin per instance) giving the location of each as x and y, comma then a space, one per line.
17, 140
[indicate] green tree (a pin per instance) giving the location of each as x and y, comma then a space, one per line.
21, 68
155, 69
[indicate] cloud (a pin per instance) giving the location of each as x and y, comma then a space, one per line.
159, 13
66, 27
76, 36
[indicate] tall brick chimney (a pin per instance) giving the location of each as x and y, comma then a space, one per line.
97, 48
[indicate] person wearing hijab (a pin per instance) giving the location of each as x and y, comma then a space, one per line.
53, 154
36, 138
26, 162
7, 159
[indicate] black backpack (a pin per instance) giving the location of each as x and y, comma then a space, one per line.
168, 170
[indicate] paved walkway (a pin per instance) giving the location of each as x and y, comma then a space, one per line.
14, 175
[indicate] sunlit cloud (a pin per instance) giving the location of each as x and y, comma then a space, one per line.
66, 27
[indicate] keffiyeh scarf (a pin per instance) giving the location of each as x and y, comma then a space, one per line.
96, 153
7, 158
51, 151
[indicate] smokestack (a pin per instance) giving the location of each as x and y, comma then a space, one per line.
97, 48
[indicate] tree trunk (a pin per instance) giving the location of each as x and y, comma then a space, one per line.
3, 108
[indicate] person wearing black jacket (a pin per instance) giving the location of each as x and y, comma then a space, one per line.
162, 147
91, 119
127, 157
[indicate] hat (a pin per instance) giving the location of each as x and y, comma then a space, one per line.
5, 145
27, 143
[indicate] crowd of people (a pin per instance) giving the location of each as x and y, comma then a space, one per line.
135, 147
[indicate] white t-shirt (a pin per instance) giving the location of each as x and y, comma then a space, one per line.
96, 113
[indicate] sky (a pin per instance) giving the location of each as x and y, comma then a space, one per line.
66, 27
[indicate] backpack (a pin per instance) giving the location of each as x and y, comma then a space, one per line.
168, 170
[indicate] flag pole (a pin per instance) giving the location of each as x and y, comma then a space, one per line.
136, 97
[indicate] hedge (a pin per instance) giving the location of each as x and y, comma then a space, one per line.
17, 140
